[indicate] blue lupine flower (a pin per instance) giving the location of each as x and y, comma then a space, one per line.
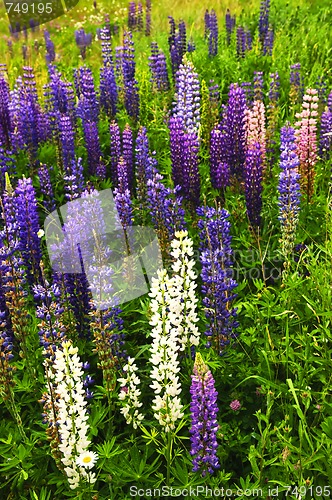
204, 425
218, 284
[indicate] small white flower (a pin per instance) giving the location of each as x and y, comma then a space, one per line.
87, 459
40, 233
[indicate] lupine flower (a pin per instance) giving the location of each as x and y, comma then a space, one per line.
306, 141
6, 355
177, 42
145, 165
28, 222
183, 291
213, 34
128, 154
263, 24
148, 18
50, 51
235, 405
132, 19
165, 208
258, 85
46, 188
128, 76
289, 189
234, 128
7, 165
255, 127
268, 42
5, 119
219, 169
115, 150
49, 312
253, 184
65, 409
164, 349
325, 141
230, 25
122, 198
296, 84
158, 67
243, 41
88, 106
67, 142
184, 156
108, 88
187, 97
92, 144
129, 394
83, 40
204, 425
74, 182
218, 285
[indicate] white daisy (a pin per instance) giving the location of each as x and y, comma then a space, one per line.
87, 459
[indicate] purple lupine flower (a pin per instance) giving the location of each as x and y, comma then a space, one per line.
144, 163
206, 24
289, 189
92, 144
329, 101
115, 150
126, 65
148, 18
249, 92
122, 198
253, 183
240, 41
88, 107
50, 51
214, 94
132, 18
139, 17
204, 425
74, 181
132, 99
320, 85
5, 120
46, 188
219, 169
218, 284
258, 86
59, 97
230, 25
108, 89
274, 92
165, 208
29, 114
191, 47
184, 156
177, 42
158, 68
213, 34
83, 40
325, 140
128, 154
187, 97
67, 142
7, 165
263, 24
234, 128
268, 42
296, 83
28, 222
49, 311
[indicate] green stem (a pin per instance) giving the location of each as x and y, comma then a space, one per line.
168, 458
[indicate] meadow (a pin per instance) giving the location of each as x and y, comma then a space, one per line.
168, 332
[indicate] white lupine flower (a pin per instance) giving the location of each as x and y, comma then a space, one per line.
65, 377
174, 319
130, 394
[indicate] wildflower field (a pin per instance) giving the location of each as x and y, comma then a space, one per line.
166, 250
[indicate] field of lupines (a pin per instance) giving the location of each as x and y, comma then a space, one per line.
211, 124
